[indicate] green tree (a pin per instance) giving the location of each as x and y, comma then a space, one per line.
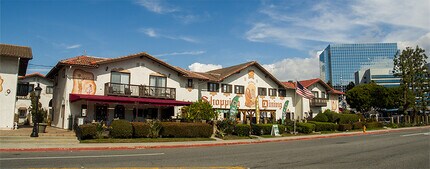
200, 110
359, 98
41, 115
410, 66
350, 86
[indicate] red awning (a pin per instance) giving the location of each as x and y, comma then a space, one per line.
119, 99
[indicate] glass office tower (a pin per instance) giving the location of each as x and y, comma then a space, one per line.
339, 62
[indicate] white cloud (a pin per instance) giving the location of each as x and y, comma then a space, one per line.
148, 31
73, 46
154, 34
199, 52
295, 68
201, 67
156, 6
341, 22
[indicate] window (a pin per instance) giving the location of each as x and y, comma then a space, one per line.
120, 78
323, 95
190, 83
262, 91
119, 112
226, 88
22, 112
213, 87
49, 89
315, 94
282, 92
157, 81
272, 92
239, 89
23, 89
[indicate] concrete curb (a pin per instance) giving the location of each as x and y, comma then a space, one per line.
191, 144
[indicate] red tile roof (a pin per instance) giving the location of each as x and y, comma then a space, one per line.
90, 61
32, 75
307, 83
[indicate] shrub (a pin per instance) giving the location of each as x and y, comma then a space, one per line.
188, 130
348, 118
281, 129
154, 129
324, 126
242, 129
200, 110
305, 127
140, 129
392, 125
357, 125
321, 117
261, 129
345, 127
86, 131
226, 126
332, 116
373, 125
121, 129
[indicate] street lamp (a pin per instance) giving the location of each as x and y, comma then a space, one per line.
37, 92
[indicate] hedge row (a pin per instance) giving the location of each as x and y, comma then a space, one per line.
345, 127
305, 127
178, 130
265, 129
333, 117
121, 129
324, 126
242, 129
372, 125
140, 129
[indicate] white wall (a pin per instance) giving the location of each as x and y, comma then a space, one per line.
9, 74
25, 102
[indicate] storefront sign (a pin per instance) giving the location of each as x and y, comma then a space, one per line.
275, 130
270, 104
219, 103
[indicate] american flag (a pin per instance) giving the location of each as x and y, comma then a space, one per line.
302, 91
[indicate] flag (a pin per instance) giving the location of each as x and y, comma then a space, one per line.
302, 91
233, 107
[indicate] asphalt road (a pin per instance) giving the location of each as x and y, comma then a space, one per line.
405, 149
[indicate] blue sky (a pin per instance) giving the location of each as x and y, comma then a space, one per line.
284, 36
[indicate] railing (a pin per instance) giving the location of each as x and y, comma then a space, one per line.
117, 89
318, 102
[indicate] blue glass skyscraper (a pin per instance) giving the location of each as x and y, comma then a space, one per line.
339, 62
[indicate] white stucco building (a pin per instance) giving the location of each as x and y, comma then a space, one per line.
13, 63
26, 85
139, 86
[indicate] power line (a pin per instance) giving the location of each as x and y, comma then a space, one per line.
40, 65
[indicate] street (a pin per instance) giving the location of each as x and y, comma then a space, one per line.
402, 149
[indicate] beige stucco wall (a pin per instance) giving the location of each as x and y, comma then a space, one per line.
9, 75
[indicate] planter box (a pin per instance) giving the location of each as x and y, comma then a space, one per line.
42, 127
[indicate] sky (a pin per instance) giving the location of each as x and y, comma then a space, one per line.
286, 37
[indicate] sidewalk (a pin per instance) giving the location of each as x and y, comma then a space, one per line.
60, 146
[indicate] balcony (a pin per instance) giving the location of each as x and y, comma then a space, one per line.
318, 102
130, 90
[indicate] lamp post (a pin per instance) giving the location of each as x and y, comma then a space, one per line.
37, 92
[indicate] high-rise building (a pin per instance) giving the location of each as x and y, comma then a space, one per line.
383, 77
339, 62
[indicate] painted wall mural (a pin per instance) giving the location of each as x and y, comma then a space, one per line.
83, 82
1, 84
250, 95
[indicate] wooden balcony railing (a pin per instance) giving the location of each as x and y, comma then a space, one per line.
318, 102
130, 90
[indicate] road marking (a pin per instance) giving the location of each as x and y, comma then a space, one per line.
415, 134
65, 157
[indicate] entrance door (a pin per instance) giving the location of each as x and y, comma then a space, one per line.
101, 113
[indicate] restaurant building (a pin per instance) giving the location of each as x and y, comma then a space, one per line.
139, 87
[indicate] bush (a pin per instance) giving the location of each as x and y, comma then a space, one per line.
121, 129
86, 131
332, 116
281, 129
321, 117
348, 118
357, 125
373, 125
345, 127
261, 129
226, 126
305, 127
324, 126
392, 125
185, 130
242, 129
140, 129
